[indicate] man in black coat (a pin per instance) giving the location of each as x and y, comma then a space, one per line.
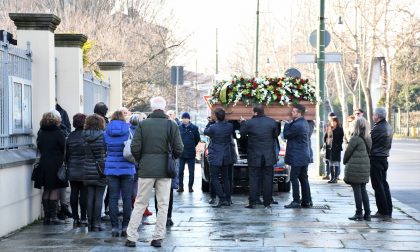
190, 138
298, 156
381, 144
262, 132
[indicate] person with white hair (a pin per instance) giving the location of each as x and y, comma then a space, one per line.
154, 138
381, 135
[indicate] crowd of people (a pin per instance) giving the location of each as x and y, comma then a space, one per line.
100, 173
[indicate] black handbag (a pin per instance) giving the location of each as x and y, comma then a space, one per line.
171, 169
36, 169
62, 171
99, 164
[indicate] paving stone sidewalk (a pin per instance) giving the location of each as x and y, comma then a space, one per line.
199, 227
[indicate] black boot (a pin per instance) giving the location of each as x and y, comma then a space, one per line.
358, 216
367, 216
64, 210
53, 206
46, 212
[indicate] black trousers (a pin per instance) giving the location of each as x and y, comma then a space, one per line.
299, 174
222, 192
78, 196
361, 197
378, 173
266, 173
171, 204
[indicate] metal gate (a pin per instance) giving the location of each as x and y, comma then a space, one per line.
15, 95
94, 91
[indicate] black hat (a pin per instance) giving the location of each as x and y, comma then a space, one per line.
185, 115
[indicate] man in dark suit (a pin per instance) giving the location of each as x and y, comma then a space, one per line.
262, 133
298, 156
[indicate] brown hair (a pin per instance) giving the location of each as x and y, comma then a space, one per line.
335, 119
79, 120
301, 109
94, 122
350, 118
118, 115
50, 119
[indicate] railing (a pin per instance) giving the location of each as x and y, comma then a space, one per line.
14, 62
94, 91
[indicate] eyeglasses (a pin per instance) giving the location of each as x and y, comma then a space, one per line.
357, 113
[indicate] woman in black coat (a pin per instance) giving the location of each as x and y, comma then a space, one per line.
220, 155
51, 144
334, 148
75, 154
94, 145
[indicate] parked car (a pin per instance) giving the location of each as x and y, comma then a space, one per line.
240, 177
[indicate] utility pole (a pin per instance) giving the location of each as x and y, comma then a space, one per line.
217, 54
321, 82
196, 92
256, 44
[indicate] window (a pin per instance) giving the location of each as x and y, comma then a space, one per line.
21, 106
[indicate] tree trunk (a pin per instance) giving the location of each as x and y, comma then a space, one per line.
341, 96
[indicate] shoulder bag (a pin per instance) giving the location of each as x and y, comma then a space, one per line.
62, 171
99, 164
127, 149
171, 169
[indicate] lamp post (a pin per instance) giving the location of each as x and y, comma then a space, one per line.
257, 37
321, 81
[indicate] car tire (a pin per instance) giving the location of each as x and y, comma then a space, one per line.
284, 187
205, 187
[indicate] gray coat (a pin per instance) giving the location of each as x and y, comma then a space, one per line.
356, 159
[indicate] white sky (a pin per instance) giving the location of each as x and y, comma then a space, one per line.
231, 17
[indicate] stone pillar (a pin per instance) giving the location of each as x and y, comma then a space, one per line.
112, 71
38, 29
69, 79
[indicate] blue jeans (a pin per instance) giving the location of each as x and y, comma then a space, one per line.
120, 185
191, 166
300, 174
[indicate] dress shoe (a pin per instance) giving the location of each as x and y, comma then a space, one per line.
123, 233
222, 203
190, 189
96, 229
180, 189
130, 244
326, 178
156, 243
356, 217
306, 205
76, 223
378, 215
367, 217
251, 206
274, 202
115, 234
333, 181
212, 201
169, 222
293, 205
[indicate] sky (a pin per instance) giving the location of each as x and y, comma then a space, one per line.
232, 18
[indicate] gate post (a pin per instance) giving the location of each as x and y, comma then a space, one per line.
112, 71
69, 54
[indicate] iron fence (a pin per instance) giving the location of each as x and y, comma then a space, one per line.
15, 64
94, 91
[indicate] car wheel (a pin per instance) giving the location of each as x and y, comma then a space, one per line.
205, 187
284, 187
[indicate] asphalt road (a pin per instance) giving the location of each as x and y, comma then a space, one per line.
404, 171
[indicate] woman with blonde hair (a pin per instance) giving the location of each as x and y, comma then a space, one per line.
51, 143
357, 172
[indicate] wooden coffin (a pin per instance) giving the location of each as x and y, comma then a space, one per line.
274, 111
